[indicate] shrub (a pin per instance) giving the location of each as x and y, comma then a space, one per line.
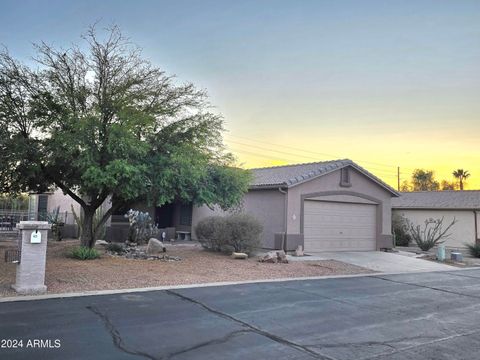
238, 232
400, 230
431, 234
244, 232
115, 248
211, 232
84, 253
474, 249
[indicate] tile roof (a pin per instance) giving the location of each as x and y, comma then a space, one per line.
467, 199
290, 175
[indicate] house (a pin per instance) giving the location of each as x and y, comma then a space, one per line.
323, 206
464, 206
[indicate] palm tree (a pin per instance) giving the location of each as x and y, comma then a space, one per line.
461, 175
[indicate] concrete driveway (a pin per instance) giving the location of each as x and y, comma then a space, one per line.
394, 317
378, 261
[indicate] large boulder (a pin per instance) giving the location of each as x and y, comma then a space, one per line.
274, 257
155, 247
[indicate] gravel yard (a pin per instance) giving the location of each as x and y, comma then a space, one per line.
197, 266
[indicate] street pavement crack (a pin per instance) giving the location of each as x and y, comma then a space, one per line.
207, 343
463, 275
259, 331
428, 287
116, 337
436, 341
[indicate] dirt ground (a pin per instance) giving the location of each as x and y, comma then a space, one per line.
64, 274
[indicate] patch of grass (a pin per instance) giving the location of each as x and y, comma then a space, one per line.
84, 253
474, 250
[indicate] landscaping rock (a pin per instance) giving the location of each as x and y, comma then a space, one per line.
270, 257
282, 257
299, 251
101, 243
155, 247
241, 256
274, 257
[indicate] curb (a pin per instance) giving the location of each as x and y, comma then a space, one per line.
214, 284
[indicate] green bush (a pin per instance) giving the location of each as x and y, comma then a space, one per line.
400, 230
115, 248
244, 232
474, 249
211, 232
84, 253
238, 232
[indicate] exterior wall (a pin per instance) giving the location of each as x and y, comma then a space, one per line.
59, 199
462, 232
362, 189
268, 206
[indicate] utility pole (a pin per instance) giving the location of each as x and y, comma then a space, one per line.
398, 178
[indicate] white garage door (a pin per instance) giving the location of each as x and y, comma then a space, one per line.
335, 226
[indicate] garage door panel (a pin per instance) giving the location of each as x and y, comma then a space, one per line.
330, 226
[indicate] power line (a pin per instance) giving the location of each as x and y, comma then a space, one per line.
308, 151
382, 171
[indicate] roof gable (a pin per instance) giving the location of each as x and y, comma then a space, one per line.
292, 175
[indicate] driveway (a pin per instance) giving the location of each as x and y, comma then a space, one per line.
378, 261
394, 317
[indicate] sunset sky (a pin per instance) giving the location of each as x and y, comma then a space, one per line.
384, 83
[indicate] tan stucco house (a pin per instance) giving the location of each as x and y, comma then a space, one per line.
464, 206
323, 206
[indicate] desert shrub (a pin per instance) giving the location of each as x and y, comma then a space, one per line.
84, 253
474, 250
400, 230
211, 232
431, 234
238, 232
141, 226
244, 232
115, 248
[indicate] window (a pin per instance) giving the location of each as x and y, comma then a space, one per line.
186, 214
345, 178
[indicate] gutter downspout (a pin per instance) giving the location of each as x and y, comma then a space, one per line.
475, 217
284, 237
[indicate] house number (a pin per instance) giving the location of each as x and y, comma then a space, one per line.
35, 238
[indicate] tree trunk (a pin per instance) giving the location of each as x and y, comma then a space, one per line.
87, 238
461, 184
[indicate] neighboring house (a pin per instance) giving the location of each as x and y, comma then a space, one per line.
324, 206
464, 206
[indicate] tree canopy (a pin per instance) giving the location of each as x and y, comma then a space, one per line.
100, 120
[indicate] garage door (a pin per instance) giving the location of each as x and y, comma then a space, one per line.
335, 226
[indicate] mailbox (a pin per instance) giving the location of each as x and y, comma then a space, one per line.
35, 237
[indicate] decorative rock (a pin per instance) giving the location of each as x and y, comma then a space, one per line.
270, 257
241, 256
282, 257
101, 243
155, 247
299, 251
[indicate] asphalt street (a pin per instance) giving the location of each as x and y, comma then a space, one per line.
409, 316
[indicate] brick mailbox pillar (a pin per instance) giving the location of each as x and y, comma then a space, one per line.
33, 246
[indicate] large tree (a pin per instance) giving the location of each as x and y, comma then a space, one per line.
424, 180
100, 121
461, 175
